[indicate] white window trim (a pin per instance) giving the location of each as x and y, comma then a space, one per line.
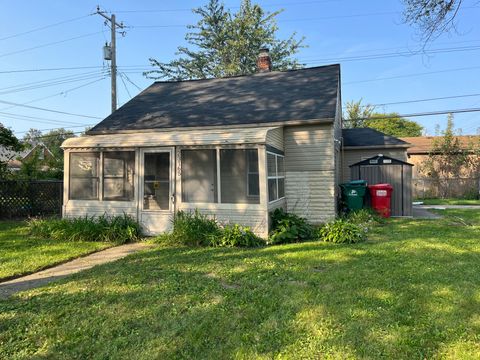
276, 177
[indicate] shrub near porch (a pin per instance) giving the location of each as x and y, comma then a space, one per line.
410, 291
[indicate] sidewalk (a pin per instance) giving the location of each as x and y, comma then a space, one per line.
43, 277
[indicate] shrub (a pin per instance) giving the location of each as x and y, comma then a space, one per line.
192, 229
365, 216
288, 228
237, 235
343, 231
115, 229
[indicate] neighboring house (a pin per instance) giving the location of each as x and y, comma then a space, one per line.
363, 143
422, 146
235, 148
14, 159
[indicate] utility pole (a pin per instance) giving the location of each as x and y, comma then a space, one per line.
113, 60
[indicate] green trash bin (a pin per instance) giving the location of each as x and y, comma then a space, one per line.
353, 194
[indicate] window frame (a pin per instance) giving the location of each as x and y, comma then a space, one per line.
100, 175
218, 202
124, 177
276, 177
253, 196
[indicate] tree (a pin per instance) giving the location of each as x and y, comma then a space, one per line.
394, 125
31, 138
9, 142
227, 44
447, 158
357, 114
432, 17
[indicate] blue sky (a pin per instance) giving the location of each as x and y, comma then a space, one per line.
336, 31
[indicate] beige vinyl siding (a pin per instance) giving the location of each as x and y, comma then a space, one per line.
275, 138
310, 171
81, 208
351, 157
337, 126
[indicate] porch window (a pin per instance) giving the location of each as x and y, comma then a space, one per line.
84, 176
118, 170
239, 176
199, 176
276, 176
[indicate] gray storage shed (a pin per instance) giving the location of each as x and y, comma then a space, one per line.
381, 169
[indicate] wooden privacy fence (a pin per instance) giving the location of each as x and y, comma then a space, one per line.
24, 198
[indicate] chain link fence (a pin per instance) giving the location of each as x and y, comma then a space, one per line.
462, 188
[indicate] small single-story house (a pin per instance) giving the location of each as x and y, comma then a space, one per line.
363, 143
235, 148
422, 146
14, 159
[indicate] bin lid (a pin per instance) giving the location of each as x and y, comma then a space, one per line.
381, 186
358, 183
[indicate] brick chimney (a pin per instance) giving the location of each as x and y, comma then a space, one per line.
264, 64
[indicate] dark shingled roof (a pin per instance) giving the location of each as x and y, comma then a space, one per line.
369, 137
277, 96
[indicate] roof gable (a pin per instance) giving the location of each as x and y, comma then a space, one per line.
272, 97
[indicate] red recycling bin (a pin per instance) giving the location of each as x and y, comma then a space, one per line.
381, 195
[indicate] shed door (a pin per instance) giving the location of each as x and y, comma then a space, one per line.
157, 189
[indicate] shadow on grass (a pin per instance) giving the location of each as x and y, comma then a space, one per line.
404, 298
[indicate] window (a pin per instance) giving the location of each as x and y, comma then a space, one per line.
117, 181
118, 170
199, 176
84, 177
239, 176
156, 190
276, 176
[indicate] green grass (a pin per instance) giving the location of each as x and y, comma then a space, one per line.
410, 292
449, 202
21, 253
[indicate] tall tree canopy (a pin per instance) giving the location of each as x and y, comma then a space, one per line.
227, 44
357, 115
10, 143
395, 125
433, 17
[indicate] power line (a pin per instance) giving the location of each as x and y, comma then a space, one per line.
49, 110
131, 82
410, 75
125, 85
431, 113
65, 127
424, 100
50, 44
44, 27
36, 119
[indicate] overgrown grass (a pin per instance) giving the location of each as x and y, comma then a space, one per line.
21, 253
412, 291
114, 229
450, 202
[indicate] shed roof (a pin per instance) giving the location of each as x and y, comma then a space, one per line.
248, 135
381, 160
367, 137
271, 97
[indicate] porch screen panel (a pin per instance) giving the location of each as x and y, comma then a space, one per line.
156, 190
239, 176
276, 176
199, 176
118, 174
83, 176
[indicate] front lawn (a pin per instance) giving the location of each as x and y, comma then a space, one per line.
411, 292
450, 202
23, 254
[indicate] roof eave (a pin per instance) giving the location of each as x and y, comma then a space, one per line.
373, 147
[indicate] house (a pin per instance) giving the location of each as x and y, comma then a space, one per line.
363, 143
236, 148
422, 146
14, 159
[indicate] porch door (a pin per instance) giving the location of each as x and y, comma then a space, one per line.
156, 189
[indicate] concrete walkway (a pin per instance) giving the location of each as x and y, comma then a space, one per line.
43, 277
419, 212
443, 207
